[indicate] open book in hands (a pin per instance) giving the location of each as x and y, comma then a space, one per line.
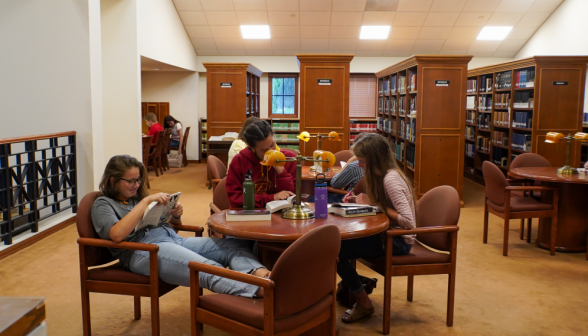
155, 214
274, 206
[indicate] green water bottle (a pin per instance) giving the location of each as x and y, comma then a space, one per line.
248, 192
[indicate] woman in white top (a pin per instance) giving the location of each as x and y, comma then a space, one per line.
177, 134
239, 144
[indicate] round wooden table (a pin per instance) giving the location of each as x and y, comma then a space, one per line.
286, 230
572, 211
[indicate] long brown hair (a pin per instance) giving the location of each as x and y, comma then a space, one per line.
116, 167
379, 159
246, 124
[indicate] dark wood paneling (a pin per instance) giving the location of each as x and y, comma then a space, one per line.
441, 108
556, 153
439, 162
558, 104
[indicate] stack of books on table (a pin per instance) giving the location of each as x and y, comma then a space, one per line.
248, 215
352, 209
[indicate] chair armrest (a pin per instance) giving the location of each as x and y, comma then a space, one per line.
526, 188
216, 181
214, 208
229, 274
189, 228
422, 230
121, 245
337, 191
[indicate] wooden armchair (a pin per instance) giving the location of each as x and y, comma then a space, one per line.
146, 144
155, 155
343, 155
184, 146
500, 202
298, 296
114, 279
437, 228
216, 171
165, 148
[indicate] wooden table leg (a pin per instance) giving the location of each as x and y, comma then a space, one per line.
572, 218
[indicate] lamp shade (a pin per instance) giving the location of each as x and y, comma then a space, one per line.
271, 158
334, 136
581, 136
553, 137
304, 136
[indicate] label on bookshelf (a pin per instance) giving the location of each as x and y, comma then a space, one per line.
560, 83
324, 81
226, 85
441, 82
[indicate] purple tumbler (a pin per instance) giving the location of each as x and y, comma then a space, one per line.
320, 197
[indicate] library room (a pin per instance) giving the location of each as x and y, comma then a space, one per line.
293, 167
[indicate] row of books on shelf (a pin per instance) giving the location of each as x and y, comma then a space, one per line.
362, 126
521, 142
385, 105
470, 149
523, 120
483, 143
499, 138
295, 147
398, 148
470, 132
502, 100
280, 126
504, 80
501, 118
486, 83
402, 106
525, 79
471, 117
388, 86
484, 120
387, 125
585, 119
410, 156
402, 84
203, 147
412, 107
472, 86
412, 82
471, 102
410, 129
485, 103
286, 137
204, 125
523, 100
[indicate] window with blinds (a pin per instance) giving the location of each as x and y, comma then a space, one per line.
362, 96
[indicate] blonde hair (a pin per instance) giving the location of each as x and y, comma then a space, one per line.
150, 117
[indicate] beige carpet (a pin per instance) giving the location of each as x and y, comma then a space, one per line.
526, 293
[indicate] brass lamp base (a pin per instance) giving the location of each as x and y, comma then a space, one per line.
567, 170
298, 212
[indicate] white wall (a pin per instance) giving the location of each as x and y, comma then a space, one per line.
565, 32
121, 79
162, 35
45, 80
180, 89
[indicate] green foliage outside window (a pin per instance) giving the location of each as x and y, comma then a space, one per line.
283, 95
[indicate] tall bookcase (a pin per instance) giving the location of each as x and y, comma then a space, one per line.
203, 136
513, 106
421, 110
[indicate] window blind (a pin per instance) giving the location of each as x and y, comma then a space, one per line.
362, 96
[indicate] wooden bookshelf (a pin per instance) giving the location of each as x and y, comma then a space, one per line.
426, 93
203, 136
361, 125
553, 88
286, 132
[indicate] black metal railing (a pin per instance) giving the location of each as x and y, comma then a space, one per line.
37, 180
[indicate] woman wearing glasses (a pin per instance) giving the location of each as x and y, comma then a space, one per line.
119, 210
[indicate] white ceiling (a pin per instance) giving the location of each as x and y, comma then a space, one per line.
332, 26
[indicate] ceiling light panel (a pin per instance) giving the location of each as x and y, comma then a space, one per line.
255, 32
374, 32
496, 33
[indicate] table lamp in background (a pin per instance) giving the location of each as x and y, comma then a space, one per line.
554, 137
319, 154
274, 158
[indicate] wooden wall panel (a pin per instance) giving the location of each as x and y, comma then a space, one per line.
440, 108
556, 153
558, 104
440, 158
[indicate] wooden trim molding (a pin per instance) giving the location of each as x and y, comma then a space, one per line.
269, 94
37, 237
420, 59
233, 66
37, 137
324, 58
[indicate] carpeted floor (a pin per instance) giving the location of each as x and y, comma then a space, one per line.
526, 293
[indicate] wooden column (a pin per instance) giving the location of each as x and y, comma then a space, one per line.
324, 107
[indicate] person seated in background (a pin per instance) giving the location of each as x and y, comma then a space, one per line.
239, 144
271, 183
388, 188
345, 179
154, 126
177, 133
124, 201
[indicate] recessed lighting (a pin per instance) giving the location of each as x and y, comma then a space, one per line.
494, 33
255, 32
374, 32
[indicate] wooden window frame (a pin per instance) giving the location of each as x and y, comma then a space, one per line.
270, 113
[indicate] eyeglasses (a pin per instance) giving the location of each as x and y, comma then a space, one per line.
132, 182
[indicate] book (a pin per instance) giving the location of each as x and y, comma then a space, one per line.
274, 206
248, 215
155, 214
352, 209
228, 136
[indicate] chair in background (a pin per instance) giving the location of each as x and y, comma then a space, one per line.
343, 155
220, 202
216, 171
155, 155
528, 160
165, 149
114, 279
439, 211
298, 296
499, 201
146, 145
184, 145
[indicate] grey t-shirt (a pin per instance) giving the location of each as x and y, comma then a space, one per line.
105, 213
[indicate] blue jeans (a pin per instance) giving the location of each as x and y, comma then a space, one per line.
174, 143
176, 252
366, 247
